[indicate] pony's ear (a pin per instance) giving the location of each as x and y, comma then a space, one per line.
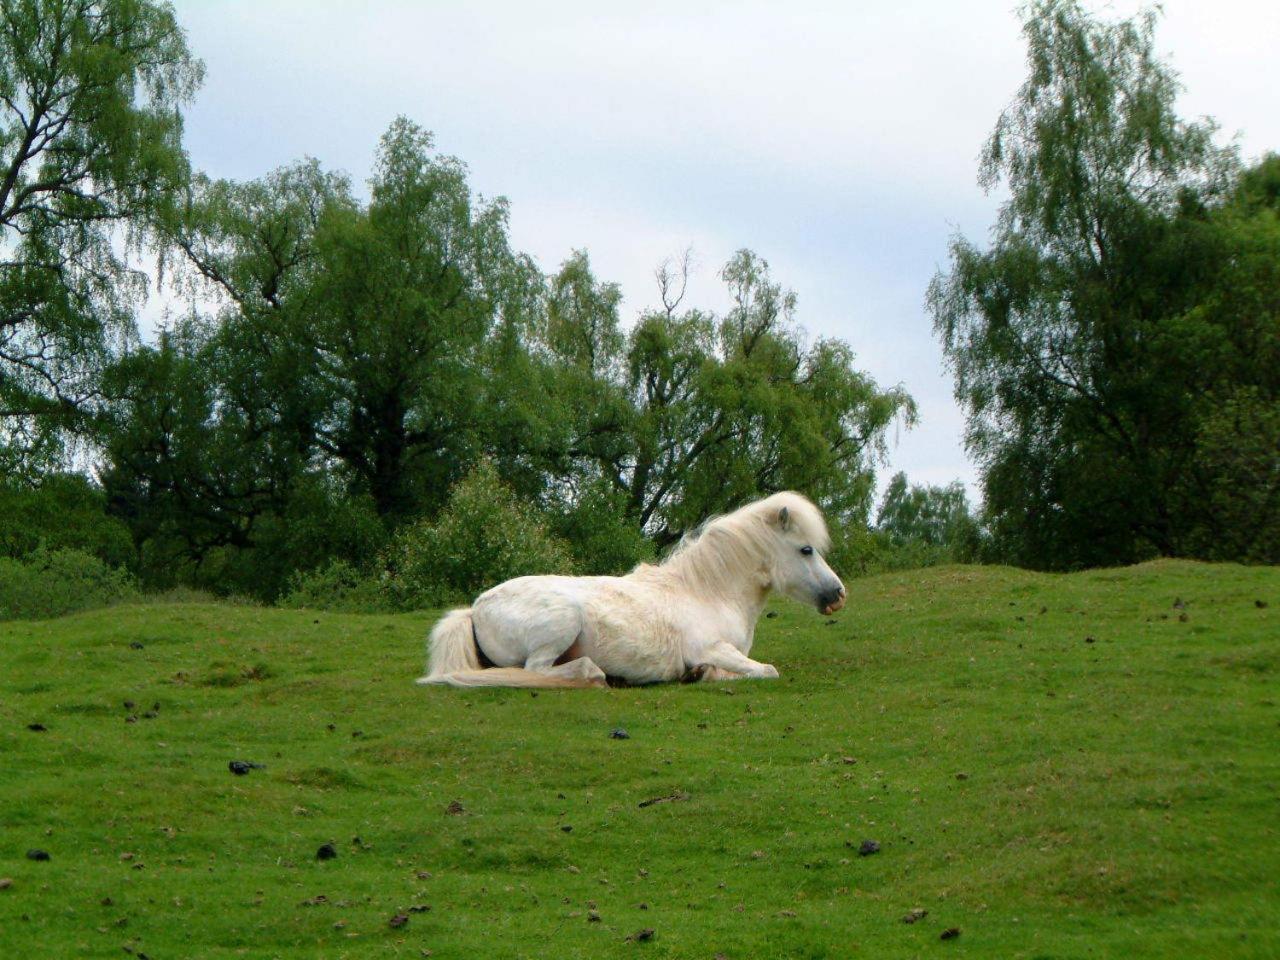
784, 518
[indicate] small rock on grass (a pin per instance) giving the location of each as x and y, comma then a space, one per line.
326, 851
38, 855
868, 847
399, 920
918, 913
37, 727
6, 883
619, 734
949, 934
640, 936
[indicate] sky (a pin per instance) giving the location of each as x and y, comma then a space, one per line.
838, 140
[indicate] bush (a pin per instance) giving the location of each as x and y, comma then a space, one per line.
483, 536
1237, 440
339, 585
603, 539
322, 527
50, 583
64, 512
864, 553
317, 525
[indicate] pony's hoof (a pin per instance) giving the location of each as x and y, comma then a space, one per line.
768, 672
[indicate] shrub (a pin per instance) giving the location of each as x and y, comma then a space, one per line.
64, 512
604, 540
50, 583
339, 585
320, 526
863, 553
484, 535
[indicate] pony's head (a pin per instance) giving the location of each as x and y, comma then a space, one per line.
773, 544
799, 540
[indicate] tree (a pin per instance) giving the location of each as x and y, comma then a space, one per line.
90, 158
690, 414
1086, 340
928, 515
358, 330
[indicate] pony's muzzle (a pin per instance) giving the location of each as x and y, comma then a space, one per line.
832, 600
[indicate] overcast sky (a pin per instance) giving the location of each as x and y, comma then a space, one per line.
838, 140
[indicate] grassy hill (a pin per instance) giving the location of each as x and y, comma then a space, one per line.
1058, 766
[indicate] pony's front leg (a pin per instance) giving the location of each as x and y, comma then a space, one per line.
579, 668
584, 668
726, 657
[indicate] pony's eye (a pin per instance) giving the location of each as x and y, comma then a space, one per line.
807, 551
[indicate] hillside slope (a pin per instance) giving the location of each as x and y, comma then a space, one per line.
1058, 766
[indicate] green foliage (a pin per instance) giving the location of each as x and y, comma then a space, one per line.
484, 535
353, 332
859, 552
50, 583
933, 516
188, 480
90, 151
1117, 797
1237, 440
916, 526
605, 540
339, 586
63, 512
1128, 289
692, 414
380, 349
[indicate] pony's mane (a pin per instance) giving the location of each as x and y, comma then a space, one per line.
724, 551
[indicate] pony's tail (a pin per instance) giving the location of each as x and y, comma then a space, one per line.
452, 647
454, 661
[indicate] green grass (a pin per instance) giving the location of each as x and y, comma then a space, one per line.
1051, 797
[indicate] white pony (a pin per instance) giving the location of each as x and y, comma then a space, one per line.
693, 616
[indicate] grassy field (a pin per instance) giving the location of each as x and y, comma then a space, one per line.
1056, 766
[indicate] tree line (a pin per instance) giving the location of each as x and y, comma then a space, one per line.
366, 383
350, 359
